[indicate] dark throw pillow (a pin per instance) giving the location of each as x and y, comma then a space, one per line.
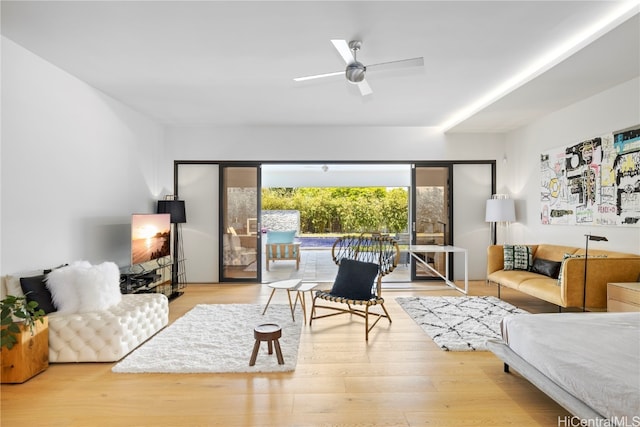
35, 289
355, 279
546, 267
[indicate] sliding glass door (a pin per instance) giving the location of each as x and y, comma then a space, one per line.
240, 215
222, 239
431, 200
198, 184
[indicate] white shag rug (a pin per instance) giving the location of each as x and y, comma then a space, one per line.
459, 323
216, 338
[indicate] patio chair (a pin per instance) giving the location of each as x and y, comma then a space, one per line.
280, 246
234, 253
362, 262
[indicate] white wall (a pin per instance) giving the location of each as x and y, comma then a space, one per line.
471, 189
306, 143
75, 164
612, 110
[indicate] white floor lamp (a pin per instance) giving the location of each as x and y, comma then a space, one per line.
500, 208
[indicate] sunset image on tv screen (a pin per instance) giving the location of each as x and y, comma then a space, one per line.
150, 237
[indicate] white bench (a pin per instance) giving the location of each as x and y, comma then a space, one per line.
108, 335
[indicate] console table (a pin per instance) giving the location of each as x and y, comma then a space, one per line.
623, 296
414, 250
156, 279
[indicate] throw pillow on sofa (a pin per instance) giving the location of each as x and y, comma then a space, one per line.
35, 289
518, 257
546, 267
82, 287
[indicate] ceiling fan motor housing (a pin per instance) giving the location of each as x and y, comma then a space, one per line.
355, 72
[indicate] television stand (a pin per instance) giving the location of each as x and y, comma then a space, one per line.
148, 279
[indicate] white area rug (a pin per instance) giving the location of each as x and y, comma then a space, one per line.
217, 338
459, 323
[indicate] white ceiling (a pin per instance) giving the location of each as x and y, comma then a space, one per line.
336, 175
233, 63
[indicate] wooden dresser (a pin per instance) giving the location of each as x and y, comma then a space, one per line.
623, 296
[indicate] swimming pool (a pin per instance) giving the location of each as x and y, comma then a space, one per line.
316, 242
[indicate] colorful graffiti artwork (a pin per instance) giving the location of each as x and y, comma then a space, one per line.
594, 182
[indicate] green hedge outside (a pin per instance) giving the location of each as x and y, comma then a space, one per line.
343, 209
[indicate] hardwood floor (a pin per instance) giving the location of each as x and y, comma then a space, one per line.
400, 378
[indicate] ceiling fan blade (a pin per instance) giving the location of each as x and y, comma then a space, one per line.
318, 76
364, 87
343, 49
402, 63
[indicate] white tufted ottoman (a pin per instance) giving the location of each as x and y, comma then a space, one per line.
109, 335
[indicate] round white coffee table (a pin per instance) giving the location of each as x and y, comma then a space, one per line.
289, 285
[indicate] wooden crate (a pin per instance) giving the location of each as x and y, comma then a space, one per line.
28, 357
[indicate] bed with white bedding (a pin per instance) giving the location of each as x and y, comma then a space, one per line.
587, 362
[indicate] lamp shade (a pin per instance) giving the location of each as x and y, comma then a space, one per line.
175, 208
596, 238
500, 210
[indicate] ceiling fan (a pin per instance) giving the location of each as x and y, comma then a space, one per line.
355, 71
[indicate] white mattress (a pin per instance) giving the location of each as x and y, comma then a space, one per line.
108, 335
593, 356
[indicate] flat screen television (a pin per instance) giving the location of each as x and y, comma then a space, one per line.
150, 237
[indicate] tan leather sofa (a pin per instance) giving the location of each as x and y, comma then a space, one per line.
567, 292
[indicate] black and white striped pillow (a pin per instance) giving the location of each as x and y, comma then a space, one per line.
518, 257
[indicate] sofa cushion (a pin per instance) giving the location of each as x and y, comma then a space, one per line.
553, 252
518, 257
35, 289
12, 285
281, 236
546, 267
236, 243
513, 278
355, 279
544, 288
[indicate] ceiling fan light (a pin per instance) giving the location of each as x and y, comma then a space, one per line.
355, 72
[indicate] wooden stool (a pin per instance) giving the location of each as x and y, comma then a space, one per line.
269, 332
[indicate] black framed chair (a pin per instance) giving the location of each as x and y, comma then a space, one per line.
363, 260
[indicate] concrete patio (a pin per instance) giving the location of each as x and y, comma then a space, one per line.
316, 265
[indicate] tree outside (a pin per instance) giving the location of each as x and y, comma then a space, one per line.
343, 209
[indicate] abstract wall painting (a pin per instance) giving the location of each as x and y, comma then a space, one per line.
593, 182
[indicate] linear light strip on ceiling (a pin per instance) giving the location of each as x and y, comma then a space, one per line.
547, 61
